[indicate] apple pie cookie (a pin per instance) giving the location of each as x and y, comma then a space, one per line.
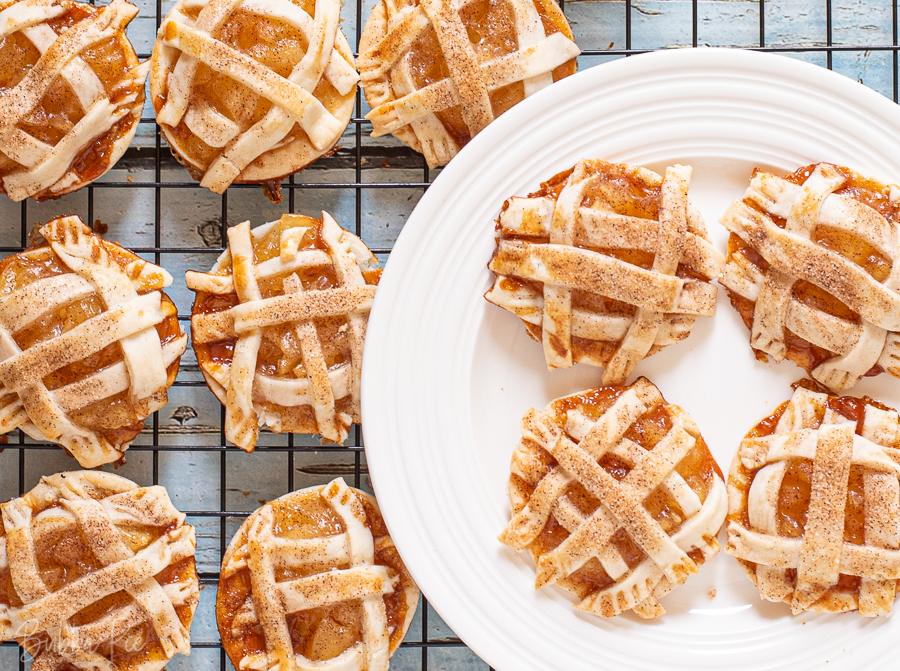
811, 269
313, 581
89, 343
605, 265
278, 327
616, 497
814, 504
252, 90
436, 72
71, 94
97, 573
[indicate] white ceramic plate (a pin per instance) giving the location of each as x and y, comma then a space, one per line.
447, 376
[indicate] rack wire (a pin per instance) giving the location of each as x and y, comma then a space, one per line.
690, 23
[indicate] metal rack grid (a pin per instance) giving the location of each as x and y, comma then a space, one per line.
692, 19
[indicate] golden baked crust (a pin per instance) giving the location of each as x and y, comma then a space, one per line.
605, 265
252, 90
97, 573
616, 497
436, 72
314, 577
812, 271
72, 94
278, 327
90, 342
814, 504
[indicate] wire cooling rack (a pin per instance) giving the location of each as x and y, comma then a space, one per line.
183, 446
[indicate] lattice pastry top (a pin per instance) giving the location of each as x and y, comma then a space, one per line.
252, 90
616, 497
88, 342
313, 581
278, 327
71, 94
436, 72
97, 574
605, 265
812, 270
814, 504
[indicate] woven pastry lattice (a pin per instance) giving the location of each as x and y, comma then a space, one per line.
555, 466
291, 314
114, 543
864, 334
44, 150
835, 468
597, 285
